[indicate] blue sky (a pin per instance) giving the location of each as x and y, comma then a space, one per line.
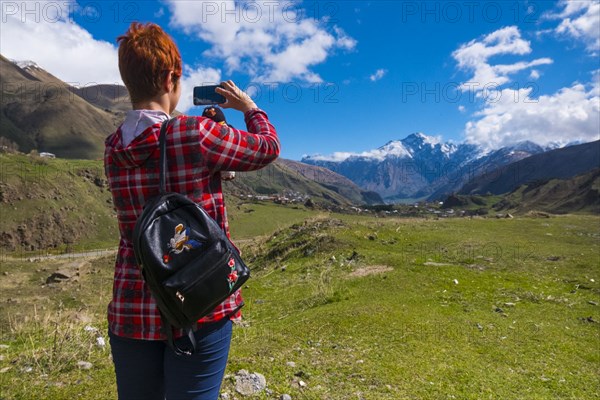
344, 76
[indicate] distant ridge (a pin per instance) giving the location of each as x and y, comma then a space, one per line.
333, 181
561, 163
325, 188
107, 97
580, 193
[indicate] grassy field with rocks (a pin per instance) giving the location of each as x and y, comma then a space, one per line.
348, 307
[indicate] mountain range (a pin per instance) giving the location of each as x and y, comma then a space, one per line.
422, 167
40, 112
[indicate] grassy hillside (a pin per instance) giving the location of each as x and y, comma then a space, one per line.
278, 178
64, 205
354, 307
332, 181
559, 196
37, 111
54, 204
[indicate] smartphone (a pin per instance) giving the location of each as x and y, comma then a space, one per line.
206, 96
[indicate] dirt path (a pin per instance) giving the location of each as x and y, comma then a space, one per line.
90, 254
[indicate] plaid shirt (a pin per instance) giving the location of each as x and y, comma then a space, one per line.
197, 149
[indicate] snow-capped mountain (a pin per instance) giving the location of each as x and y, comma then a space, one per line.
420, 166
26, 64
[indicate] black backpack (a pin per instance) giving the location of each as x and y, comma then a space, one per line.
186, 259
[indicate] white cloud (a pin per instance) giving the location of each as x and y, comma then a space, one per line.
69, 52
462, 108
380, 73
51, 39
570, 114
534, 74
394, 148
580, 20
159, 13
269, 41
474, 56
511, 116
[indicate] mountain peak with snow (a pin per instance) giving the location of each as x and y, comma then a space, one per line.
409, 147
26, 64
421, 139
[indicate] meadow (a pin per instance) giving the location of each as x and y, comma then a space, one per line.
350, 307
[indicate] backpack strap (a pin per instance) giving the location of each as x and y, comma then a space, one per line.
168, 328
162, 142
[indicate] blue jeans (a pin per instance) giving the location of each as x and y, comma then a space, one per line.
148, 370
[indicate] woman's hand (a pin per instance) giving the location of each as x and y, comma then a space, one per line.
236, 98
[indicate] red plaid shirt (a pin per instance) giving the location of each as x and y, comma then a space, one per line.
197, 149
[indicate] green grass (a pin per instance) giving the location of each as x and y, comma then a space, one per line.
251, 220
412, 332
56, 201
520, 323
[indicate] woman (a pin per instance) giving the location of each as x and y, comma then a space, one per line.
197, 149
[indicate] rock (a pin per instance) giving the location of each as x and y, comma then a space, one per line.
248, 384
455, 281
509, 304
4, 346
225, 396
302, 384
84, 365
285, 397
553, 258
291, 364
241, 323
435, 264
592, 303
302, 374
59, 276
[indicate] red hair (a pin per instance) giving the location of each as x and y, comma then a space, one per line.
146, 54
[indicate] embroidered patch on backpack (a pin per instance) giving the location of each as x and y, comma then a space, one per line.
180, 242
233, 275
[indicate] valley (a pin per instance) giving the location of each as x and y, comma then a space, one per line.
342, 306
420, 269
